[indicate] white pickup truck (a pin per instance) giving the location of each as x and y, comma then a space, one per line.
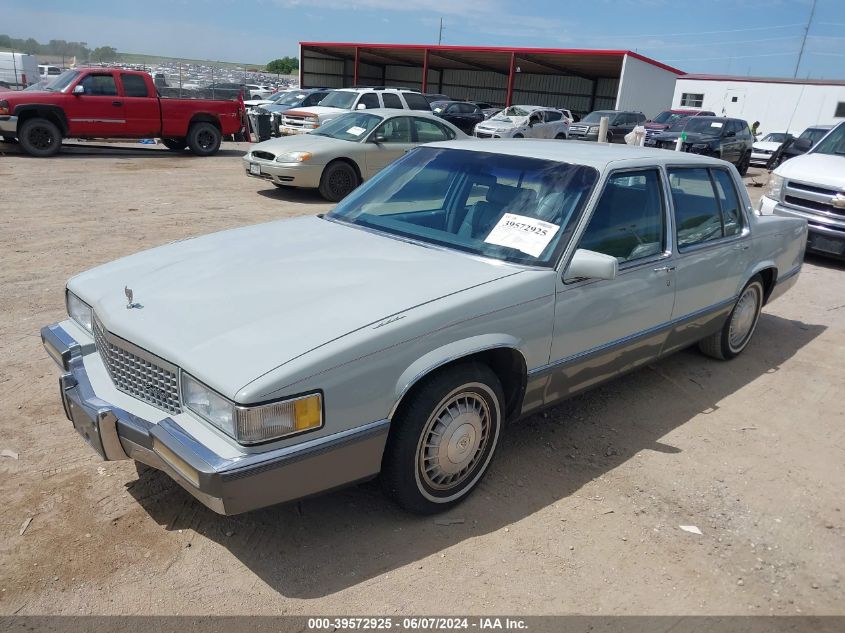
812, 186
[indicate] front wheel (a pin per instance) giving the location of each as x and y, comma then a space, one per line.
443, 439
338, 181
204, 139
733, 338
40, 137
175, 144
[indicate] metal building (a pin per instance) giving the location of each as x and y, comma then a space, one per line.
780, 105
580, 80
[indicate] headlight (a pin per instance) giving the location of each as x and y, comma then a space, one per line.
293, 157
774, 188
79, 311
251, 425
593, 129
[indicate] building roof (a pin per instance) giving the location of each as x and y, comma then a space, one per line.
766, 80
591, 63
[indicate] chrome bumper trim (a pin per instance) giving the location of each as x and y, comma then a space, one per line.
226, 485
9, 125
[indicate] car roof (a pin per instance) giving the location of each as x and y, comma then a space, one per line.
598, 155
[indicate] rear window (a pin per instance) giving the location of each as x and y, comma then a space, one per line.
416, 101
134, 85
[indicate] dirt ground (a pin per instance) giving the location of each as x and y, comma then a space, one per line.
580, 512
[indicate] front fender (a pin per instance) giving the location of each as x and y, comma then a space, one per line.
447, 354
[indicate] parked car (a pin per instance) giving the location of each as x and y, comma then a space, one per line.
620, 122
812, 187
763, 150
524, 121
293, 100
114, 103
798, 146
668, 118
462, 114
487, 108
345, 151
273, 98
46, 71
721, 137
337, 102
254, 91
458, 290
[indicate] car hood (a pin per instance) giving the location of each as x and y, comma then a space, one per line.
490, 124
767, 145
231, 306
320, 111
692, 137
300, 143
656, 126
823, 169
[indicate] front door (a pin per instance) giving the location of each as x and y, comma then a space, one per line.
389, 141
143, 114
98, 111
605, 327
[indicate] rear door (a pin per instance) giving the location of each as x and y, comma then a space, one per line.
99, 110
142, 110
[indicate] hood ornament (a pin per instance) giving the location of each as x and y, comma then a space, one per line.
129, 295
838, 201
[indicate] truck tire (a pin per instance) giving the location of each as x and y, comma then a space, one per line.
175, 144
204, 139
40, 137
744, 163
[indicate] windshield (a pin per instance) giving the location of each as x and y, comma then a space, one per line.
702, 125
291, 98
775, 137
511, 208
349, 127
62, 81
669, 117
595, 117
814, 134
339, 99
439, 106
833, 144
516, 111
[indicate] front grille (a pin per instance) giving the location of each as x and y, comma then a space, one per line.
137, 372
813, 204
483, 134
820, 190
578, 129
264, 155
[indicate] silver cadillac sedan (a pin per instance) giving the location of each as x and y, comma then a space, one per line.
462, 287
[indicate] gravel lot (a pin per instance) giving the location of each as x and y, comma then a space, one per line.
579, 514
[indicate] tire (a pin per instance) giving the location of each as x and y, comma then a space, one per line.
518, 136
175, 144
40, 137
435, 458
204, 139
732, 339
744, 163
561, 137
339, 179
609, 138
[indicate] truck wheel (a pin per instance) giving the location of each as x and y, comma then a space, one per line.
735, 334
744, 163
204, 139
338, 181
40, 137
443, 439
175, 144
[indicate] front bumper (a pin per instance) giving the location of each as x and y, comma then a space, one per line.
290, 175
760, 158
583, 136
8, 125
825, 236
226, 485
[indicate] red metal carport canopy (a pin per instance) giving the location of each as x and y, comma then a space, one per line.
585, 63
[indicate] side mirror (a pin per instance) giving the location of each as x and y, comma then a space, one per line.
361, 106
379, 138
79, 90
591, 265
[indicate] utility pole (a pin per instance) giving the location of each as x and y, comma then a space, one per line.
440, 35
804, 41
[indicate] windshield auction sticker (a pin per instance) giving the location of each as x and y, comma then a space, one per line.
528, 235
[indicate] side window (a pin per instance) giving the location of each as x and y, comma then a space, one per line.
697, 216
369, 101
99, 85
133, 85
431, 132
396, 130
312, 99
629, 220
729, 201
392, 100
416, 101
551, 115
453, 108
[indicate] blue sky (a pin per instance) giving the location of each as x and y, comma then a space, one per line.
759, 37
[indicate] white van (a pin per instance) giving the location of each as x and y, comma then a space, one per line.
17, 70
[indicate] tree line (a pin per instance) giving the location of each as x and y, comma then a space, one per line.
283, 66
59, 48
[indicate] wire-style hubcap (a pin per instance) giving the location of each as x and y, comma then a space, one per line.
744, 317
453, 440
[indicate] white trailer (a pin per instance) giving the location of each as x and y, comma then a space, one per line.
780, 105
18, 70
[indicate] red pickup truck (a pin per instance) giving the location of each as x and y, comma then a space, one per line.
114, 103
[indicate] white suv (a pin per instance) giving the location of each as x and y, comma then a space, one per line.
526, 121
303, 120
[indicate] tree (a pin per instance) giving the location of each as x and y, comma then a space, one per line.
104, 54
283, 66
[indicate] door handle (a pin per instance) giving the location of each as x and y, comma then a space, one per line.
117, 104
667, 269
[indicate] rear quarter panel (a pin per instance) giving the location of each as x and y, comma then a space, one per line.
177, 115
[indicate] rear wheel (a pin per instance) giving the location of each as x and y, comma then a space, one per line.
443, 439
339, 179
204, 139
737, 331
744, 163
40, 137
175, 144
561, 136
